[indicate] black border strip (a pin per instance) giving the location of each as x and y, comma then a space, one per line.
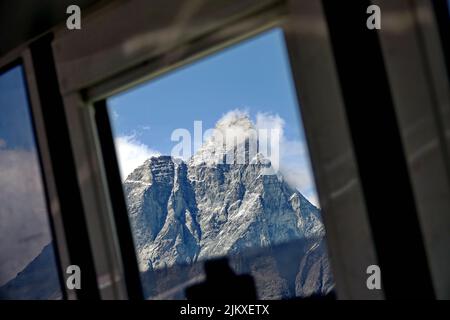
442, 14
123, 228
63, 166
378, 148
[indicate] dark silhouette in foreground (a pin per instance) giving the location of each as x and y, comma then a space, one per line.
222, 283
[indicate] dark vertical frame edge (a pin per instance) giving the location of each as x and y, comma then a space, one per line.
396, 230
62, 161
122, 223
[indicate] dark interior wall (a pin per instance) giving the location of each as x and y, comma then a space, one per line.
22, 20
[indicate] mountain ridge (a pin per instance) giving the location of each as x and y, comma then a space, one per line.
180, 196
225, 200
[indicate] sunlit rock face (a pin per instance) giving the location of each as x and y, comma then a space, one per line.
185, 212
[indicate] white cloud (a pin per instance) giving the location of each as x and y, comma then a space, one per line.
131, 154
294, 157
269, 121
24, 225
114, 115
145, 128
235, 123
292, 160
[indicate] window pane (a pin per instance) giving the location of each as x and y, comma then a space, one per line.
28, 267
242, 190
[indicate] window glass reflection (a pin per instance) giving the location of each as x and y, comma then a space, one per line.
28, 267
214, 164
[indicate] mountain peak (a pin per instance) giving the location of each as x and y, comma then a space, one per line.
182, 213
235, 120
234, 140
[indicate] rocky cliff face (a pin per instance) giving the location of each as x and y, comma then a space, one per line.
185, 212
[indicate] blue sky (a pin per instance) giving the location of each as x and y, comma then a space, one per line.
15, 122
253, 76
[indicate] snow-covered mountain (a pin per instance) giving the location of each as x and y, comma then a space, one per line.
183, 212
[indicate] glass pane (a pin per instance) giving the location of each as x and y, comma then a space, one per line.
243, 189
28, 267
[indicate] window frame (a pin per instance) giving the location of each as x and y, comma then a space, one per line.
351, 248
115, 61
22, 58
422, 105
68, 228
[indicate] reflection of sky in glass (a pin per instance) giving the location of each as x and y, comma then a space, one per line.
24, 226
15, 122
